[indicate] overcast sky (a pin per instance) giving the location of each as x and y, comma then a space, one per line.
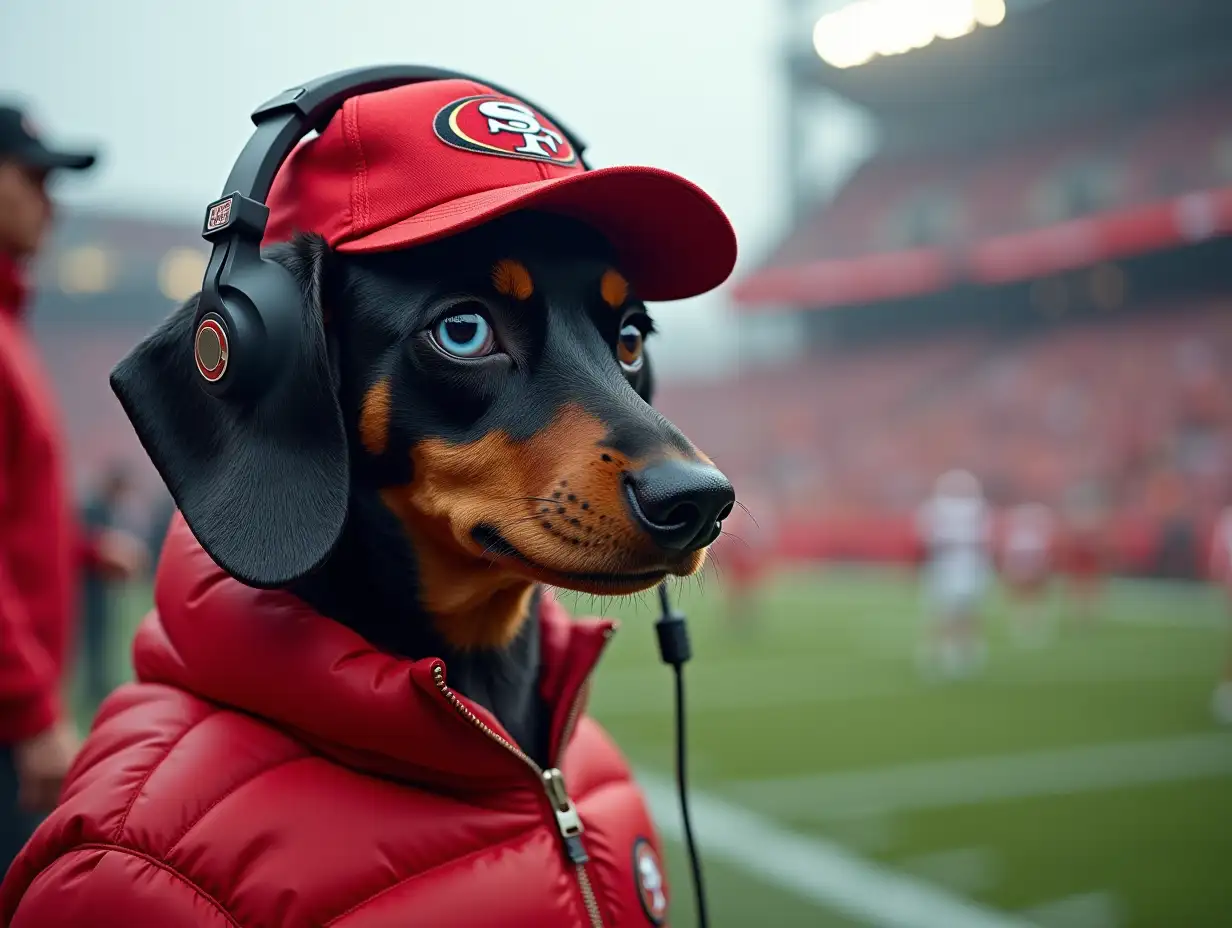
165, 89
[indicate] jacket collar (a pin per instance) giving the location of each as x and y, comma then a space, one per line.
13, 286
269, 654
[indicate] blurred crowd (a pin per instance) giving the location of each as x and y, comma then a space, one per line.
1133, 417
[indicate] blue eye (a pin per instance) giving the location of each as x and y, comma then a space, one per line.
466, 335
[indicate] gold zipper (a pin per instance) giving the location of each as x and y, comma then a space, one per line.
568, 822
562, 805
571, 720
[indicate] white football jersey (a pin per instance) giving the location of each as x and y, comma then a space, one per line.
956, 532
948, 523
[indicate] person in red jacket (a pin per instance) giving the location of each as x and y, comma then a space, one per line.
40, 546
357, 702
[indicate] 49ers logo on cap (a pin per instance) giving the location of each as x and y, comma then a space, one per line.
651, 888
492, 125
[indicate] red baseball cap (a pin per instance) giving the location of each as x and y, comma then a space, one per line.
420, 162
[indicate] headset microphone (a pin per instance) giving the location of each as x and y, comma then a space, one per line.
675, 650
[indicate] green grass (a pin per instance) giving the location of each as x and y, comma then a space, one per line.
824, 683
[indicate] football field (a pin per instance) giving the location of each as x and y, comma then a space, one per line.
1078, 785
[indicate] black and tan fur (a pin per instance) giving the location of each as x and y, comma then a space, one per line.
431, 496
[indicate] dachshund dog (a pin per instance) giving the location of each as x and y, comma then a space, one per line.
482, 405
355, 701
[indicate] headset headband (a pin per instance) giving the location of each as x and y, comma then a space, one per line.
282, 121
248, 310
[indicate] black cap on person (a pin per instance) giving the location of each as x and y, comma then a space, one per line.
20, 142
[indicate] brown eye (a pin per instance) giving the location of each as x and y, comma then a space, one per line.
629, 348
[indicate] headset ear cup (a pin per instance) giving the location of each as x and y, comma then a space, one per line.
263, 485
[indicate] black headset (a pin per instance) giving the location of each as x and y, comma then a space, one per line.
248, 314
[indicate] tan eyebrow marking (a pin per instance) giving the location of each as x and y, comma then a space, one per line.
374, 417
511, 278
613, 288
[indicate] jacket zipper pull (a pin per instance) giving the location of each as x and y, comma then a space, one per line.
568, 822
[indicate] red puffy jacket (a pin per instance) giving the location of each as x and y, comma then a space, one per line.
270, 768
39, 546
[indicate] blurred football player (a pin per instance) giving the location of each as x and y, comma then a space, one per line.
955, 532
1026, 568
1086, 556
744, 553
1221, 573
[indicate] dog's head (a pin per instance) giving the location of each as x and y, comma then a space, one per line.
480, 403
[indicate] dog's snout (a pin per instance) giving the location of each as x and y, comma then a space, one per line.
679, 504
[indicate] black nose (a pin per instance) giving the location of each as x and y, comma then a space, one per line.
679, 503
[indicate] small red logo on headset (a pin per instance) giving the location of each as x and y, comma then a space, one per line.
492, 125
211, 349
651, 887
219, 214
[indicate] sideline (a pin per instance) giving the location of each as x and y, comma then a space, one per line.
816, 870
993, 778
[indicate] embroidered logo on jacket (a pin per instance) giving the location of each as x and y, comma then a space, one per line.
651, 888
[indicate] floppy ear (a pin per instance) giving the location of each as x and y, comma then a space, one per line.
644, 382
263, 485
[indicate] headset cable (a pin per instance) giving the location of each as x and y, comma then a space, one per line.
675, 649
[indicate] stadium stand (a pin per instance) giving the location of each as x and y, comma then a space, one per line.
1139, 408
1029, 279
911, 224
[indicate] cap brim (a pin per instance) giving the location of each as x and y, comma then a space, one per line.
672, 239
40, 157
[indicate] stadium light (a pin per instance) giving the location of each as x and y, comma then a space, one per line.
990, 12
86, 269
180, 273
865, 29
953, 18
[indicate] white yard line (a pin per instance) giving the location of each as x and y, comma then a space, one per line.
971, 781
640, 691
816, 870
965, 870
1091, 910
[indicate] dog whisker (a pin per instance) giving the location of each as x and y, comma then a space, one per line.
701, 581
523, 520
680, 583
529, 499
735, 536
716, 560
